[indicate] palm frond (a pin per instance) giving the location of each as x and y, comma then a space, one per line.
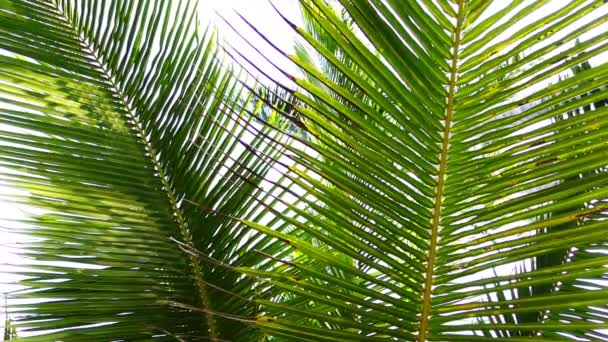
450, 184
117, 118
448, 189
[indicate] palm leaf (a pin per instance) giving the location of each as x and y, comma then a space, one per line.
116, 117
434, 196
441, 191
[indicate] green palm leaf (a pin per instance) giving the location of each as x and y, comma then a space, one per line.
116, 117
449, 184
443, 185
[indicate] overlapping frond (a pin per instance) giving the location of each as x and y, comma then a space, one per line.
450, 184
125, 132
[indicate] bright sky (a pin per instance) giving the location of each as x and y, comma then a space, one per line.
264, 17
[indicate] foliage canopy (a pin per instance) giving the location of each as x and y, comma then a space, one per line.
428, 177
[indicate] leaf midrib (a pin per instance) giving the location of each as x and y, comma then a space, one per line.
438, 202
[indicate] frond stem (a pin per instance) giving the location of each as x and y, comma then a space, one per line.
438, 203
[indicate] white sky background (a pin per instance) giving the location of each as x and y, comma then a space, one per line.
263, 16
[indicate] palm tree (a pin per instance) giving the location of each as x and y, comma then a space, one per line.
429, 180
